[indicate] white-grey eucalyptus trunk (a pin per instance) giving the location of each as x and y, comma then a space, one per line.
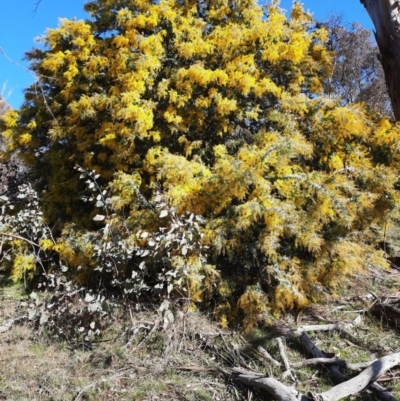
385, 15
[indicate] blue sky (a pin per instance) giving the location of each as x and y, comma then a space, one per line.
352, 10
19, 27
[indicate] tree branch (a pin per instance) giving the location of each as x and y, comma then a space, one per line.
380, 391
36, 7
21, 238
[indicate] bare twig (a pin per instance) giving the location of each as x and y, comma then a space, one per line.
238, 353
21, 238
267, 356
282, 351
36, 7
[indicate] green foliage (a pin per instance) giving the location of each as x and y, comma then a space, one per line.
68, 315
213, 168
24, 236
168, 260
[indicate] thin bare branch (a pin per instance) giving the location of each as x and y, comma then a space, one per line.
36, 7
21, 238
267, 356
282, 351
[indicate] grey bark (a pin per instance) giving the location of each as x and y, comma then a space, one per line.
363, 380
385, 15
381, 392
267, 356
348, 386
272, 386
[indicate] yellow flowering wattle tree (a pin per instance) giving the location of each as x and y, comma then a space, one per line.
215, 107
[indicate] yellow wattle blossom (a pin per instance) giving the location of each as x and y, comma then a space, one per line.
226, 106
335, 162
46, 244
23, 267
25, 139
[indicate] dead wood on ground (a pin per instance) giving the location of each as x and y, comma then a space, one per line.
347, 386
387, 310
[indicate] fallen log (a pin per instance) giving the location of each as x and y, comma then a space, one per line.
361, 381
319, 361
342, 328
272, 386
330, 326
381, 392
332, 361
349, 387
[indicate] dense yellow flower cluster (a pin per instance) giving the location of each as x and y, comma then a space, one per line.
24, 267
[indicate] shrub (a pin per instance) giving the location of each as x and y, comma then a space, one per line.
210, 110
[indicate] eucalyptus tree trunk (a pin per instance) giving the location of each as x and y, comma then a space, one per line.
385, 15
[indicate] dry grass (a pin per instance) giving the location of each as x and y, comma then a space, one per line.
141, 364
137, 359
